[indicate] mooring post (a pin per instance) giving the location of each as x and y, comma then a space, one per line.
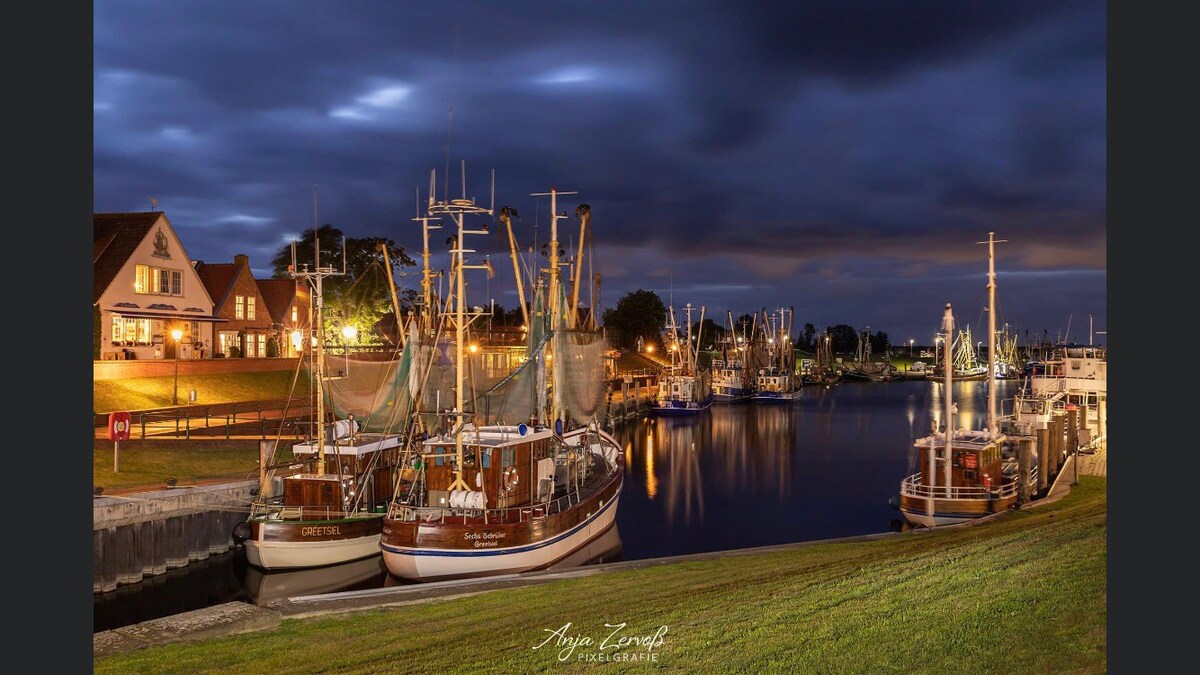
1073, 442
1043, 450
1024, 452
116, 456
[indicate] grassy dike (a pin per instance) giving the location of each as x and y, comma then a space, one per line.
141, 393
1024, 594
150, 463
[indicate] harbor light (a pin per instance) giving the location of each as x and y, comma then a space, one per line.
473, 347
650, 348
177, 335
349, 331
297, 339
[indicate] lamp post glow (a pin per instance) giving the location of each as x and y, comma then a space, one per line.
176, 334
297, 340
910, 344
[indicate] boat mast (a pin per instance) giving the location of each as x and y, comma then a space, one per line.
992, 417
457, 210
585, 214
948, 385
426, 272
506, 216
315, 279
555, 308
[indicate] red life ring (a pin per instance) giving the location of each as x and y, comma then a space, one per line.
510, 478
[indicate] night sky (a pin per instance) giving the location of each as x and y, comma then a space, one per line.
841, 158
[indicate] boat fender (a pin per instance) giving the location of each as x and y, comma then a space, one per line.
241, 533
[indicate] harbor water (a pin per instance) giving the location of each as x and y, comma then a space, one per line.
735, 476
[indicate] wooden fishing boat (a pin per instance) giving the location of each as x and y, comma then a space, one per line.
486, 495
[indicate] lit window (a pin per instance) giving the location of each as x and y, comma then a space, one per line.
295, 314
250, 307
155, 280
239, 308
141, 283
118, 328
249, 347
262, 342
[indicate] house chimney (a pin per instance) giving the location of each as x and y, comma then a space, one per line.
242, 259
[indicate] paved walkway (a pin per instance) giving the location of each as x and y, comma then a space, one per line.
1095, 464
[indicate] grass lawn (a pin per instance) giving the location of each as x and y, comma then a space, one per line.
151, 465
139, 393
1023, 595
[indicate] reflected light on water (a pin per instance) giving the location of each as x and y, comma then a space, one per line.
651, 479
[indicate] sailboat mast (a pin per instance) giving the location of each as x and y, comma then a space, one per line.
948, 385
992, 418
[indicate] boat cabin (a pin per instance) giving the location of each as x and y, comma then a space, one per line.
507, 468
774, 380
975, 459
351, 466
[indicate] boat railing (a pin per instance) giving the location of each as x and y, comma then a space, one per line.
297, 513
511, 514
913, 487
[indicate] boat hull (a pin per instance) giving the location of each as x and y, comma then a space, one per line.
278, 545
433, 564
677, 408
776, 396
734, 396
951, 511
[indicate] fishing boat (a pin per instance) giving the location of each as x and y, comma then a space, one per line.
863, 368
521, 476
823, 372
965, 360
684, 388
731, 381
325, 504
964, 474
777, 381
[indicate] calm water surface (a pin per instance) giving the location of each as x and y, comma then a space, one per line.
739, 475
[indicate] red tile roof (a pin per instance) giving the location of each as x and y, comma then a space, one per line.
218, 279
278, 295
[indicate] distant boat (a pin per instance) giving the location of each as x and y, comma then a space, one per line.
684, 388
777, 381
863, 368
731, 381
823, 371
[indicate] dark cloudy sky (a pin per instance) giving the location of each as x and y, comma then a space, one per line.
842, 158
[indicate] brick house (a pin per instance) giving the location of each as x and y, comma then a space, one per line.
236, 299
288, 302
145, 287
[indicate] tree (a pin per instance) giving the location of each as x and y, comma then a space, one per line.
807, 339
272, 347
879, 343
843, 339
743, 324
638, 314
711, 336
361, 297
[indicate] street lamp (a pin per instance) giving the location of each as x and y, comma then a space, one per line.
176, 334
297, 338
910, 344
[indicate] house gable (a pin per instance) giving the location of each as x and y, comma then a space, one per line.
121, 241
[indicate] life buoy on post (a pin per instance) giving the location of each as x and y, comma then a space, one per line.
510, 478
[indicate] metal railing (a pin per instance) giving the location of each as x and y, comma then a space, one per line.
912, 487
187, 420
